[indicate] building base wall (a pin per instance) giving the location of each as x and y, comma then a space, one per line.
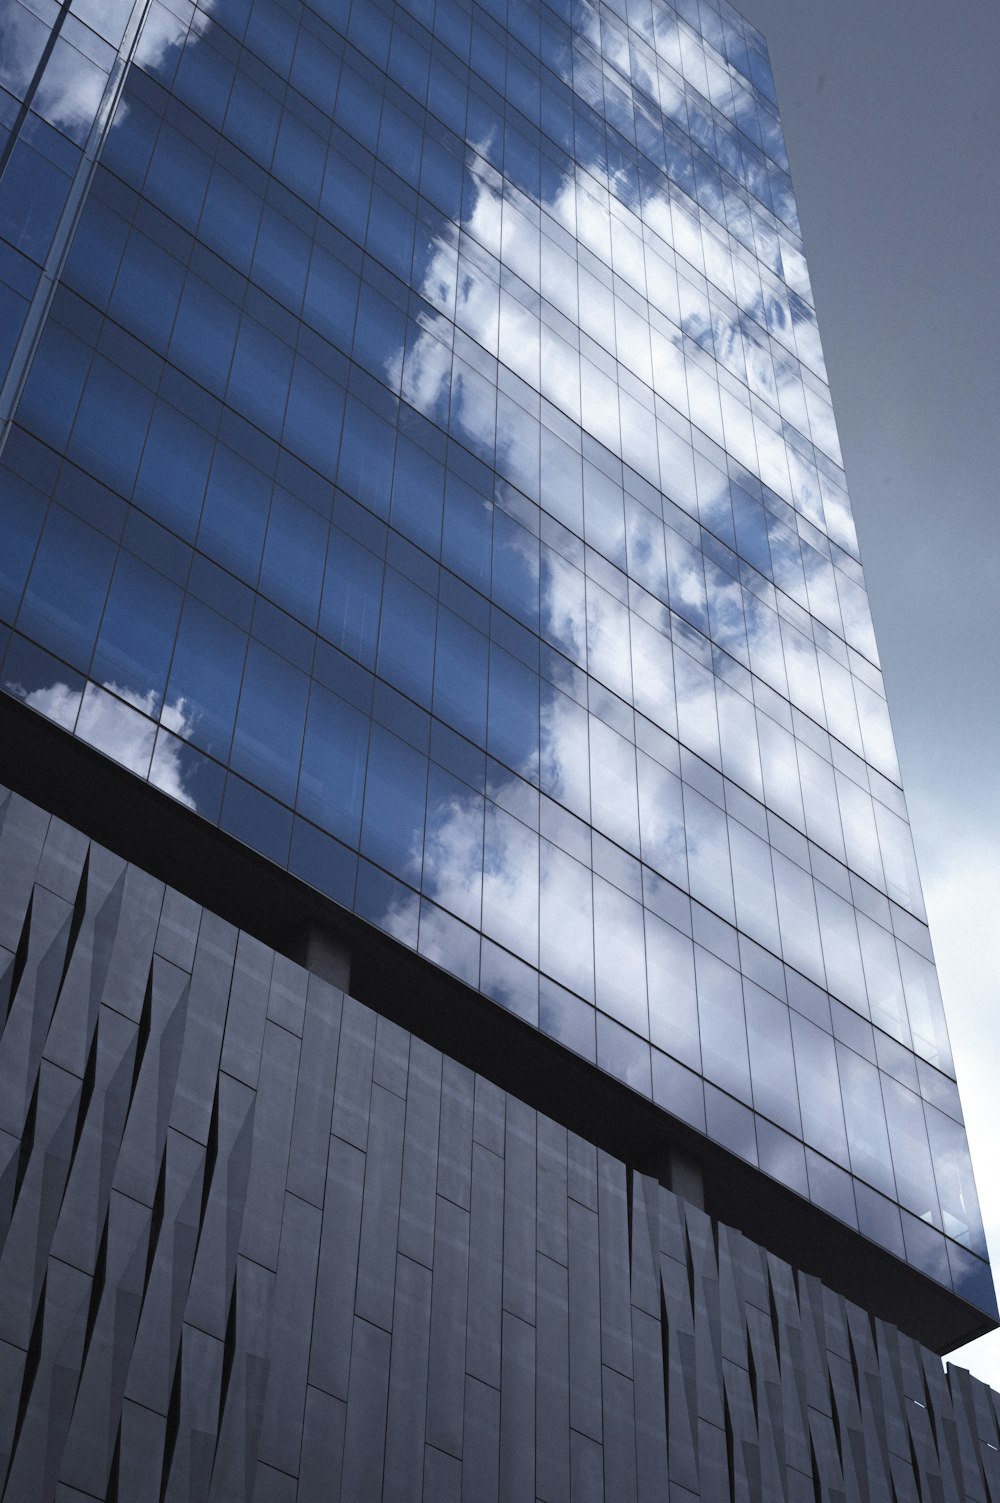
261, 1243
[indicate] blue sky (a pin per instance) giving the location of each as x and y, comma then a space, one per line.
892, 119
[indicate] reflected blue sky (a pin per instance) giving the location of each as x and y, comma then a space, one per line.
722, 358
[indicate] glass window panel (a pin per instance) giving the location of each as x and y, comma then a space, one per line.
448, 943
956, 1186
232, 211
366, 457
738, 739
619, 964
147, 291
418, 495
352, 598
898, 860
453, 845
331, 298
838, 695
708, 853
841, 951
753, 885
52, 393
561, 480
388, 903
685, 570
797, 917
926, 1248
820, 1099
860, 835
673, 1000
911, 1158
782, 1157
819, 797
876, 732
395, 799
33, 196
801, 667
604, 511
722, 1025
697, 716
864, 1112
623, 1055
66, 588
183, 773
204, 334
608, 651
313, 417
725, 610
780, 769
205, 679
24, 510
560, 383
510, 884
510, 982
566, 920
661, 819
653, 674
563, 605
406, 637
564, 764
460, 676
972, 1278
730, 1124
924, 1008
513, 713
831, 1188
468, 532
137, 634
294, 553
764, 642
564, 1017
885, 990
515, 569
334, 752
613, 790
379, 336
879, 1218
270, 722
260, 375
234, 517
645, 546
110, 429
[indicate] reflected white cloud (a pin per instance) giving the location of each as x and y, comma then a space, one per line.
73, 88
164, 29
121, 724
584, 620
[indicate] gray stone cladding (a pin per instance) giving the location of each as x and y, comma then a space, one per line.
260, 1243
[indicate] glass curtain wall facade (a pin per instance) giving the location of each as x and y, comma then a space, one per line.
420, 464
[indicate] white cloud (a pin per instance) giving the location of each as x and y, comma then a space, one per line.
122, 725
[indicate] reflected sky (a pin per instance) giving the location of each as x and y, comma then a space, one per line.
120, 724
632, 356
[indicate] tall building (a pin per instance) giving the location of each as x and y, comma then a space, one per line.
470, 1025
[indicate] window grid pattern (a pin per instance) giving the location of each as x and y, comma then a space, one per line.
427, 473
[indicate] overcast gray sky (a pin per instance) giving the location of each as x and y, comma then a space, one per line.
891, 114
